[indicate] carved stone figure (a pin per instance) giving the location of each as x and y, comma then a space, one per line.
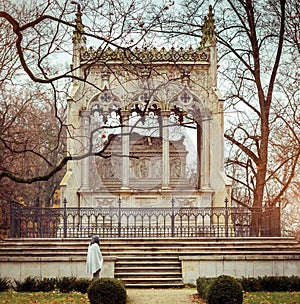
144, 168
176, 168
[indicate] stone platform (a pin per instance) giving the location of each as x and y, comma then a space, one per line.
152, 262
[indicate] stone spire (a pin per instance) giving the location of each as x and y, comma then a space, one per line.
78, 36
209, 41
208, 30
79, 42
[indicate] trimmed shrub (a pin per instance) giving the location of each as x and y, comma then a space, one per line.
4, 284
225, 290
34, 284
46, 284
295, 283
107, 291
81, 285
30, 284
280, 283
203, 285
271, 283
250, 284
65, 284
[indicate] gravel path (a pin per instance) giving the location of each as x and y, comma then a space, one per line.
163, 296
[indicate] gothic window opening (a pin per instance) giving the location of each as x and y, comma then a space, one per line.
105, 119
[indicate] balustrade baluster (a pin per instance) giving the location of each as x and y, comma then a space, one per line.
65, 217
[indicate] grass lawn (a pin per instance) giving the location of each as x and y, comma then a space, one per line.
12, 297
271, 298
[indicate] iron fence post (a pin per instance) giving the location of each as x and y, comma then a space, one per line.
226, 217
65, 217
173, 218
12, 217
119, 218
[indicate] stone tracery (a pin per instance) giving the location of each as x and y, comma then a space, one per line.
106, 118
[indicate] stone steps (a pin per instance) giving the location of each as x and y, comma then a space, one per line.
107, 244
149, 262
149, 247
146, 247
149, 271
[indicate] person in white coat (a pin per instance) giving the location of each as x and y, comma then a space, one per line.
94, 259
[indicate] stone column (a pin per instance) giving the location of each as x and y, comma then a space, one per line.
206, 118
125, 149
199, 154
85, 135
165, 150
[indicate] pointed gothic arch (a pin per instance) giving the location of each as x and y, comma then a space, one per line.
104, 101
187, 100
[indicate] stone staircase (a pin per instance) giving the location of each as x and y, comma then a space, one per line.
156, 263
147, 262
151, 271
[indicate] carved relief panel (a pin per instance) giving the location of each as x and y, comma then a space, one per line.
145, 163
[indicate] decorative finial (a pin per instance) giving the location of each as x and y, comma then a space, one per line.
208, 28
78, 32
78, 5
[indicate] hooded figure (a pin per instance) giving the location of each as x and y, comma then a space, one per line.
94, 259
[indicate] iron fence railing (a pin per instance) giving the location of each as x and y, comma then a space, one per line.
131, 222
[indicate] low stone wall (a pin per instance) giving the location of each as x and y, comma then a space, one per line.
20, 268
206, 257
238, 266
192, 266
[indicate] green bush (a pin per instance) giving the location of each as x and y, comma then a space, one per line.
81, 285
225, 290
250, 284
295, 283
279, 283
46, 284
65, 284
4, 284
30, 284
203, 285
107, 291
266, 283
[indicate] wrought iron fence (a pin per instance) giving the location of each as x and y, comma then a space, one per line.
125, 222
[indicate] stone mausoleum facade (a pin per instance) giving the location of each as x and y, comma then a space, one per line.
146, 126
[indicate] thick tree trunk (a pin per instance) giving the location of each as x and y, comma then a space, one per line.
261, 172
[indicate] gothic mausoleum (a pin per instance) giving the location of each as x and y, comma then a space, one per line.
145, 135
146, 127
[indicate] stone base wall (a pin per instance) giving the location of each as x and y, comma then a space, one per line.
205, 257
21, 268
238, 266
192, 267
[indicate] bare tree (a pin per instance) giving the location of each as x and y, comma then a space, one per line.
40, 35
29, 142
258, 61
252, 49
258, 53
